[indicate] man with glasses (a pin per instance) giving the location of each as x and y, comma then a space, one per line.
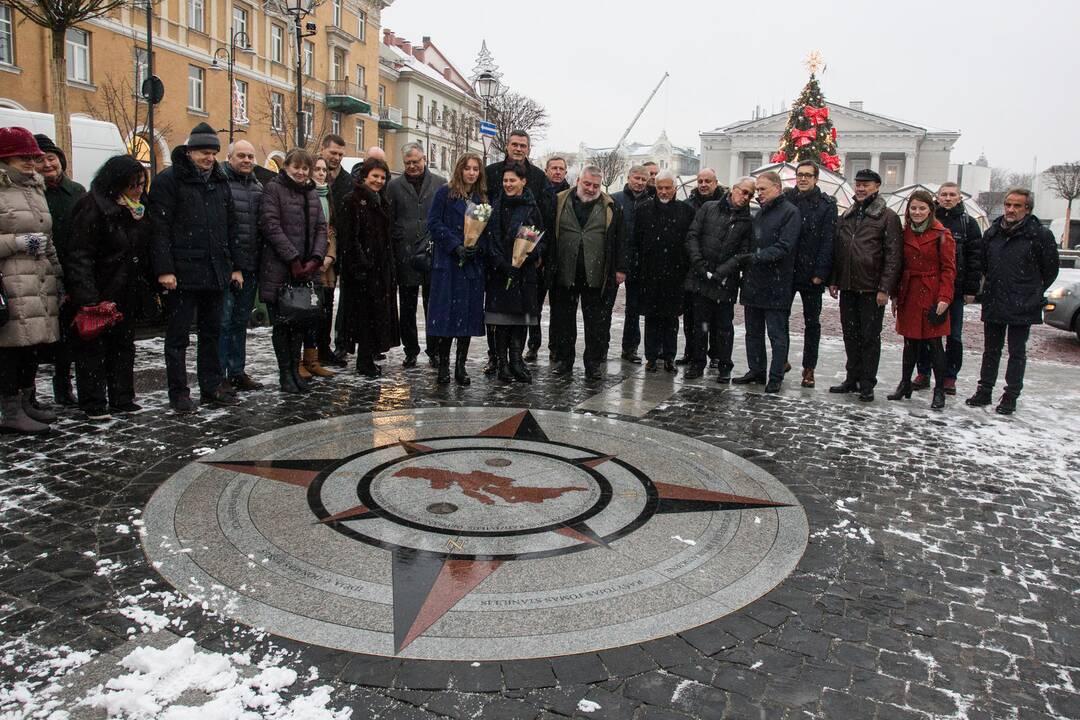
968, 237
813, 259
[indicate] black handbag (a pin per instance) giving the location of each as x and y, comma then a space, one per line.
5, 313
300, 304
934, 319
421, 257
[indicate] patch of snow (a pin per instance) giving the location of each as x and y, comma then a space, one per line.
202, 451
688, 542
680, 689
587, 706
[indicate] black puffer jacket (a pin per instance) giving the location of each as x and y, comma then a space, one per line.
814, 256
718, 233
194, 223
507, 215
968, 237
767, 282
536, 182
1021, 263
697, 200
247, 193
107, 258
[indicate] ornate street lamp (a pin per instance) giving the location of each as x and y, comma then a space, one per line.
298, 12
238, 40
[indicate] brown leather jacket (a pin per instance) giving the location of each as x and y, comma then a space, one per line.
869, 248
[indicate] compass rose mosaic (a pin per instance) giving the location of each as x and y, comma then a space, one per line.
474, 533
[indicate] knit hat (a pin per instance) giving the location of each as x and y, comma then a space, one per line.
17, 141
868, 175
203, 137
48, 146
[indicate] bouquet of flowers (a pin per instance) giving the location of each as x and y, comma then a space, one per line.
476, 219
524, 243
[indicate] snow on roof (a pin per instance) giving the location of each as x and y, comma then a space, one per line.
408, 62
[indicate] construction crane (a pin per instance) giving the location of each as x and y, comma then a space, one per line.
641, 110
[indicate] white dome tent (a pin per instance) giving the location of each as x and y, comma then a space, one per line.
897, 202
832, 184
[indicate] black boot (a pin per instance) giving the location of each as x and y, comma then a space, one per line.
903, 390
502, 353
443, 353
280, 340
516, 362
939, 398
296, 347
1007, 406
62, 393
983, 396
460, 376
492, 351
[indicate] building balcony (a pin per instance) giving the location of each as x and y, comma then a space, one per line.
390, 118
346, 97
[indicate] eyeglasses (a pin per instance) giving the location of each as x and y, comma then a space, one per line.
804, 176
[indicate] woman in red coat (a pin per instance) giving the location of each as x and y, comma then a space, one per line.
924, 292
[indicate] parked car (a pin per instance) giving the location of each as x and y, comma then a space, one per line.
1062, 308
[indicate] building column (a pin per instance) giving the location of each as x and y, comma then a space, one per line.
734, 170
909, 168
875, 162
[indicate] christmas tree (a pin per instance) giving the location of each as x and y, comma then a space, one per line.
809, 134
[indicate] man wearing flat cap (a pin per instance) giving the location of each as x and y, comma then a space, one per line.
867, 256
195, 256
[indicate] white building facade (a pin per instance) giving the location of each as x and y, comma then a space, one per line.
900, 152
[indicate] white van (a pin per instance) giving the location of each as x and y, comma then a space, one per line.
92, 141
1057, 227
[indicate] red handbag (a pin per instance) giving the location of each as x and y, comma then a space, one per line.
92, 320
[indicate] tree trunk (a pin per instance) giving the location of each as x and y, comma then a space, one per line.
58, 65
1068, 223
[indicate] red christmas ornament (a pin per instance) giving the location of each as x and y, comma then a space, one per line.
817, 116
834, 135
803, 137
778, 157
832, 162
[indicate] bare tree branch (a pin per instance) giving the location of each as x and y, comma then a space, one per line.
1064, 181
514, 111
115, 102
611, 163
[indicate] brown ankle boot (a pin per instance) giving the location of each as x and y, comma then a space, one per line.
807, 378
311, 364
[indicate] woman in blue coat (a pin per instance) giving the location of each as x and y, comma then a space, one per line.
456, 300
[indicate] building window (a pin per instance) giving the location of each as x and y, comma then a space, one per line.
240, 21
196, 81
78, 55
7, 36
419, 107
442, 157
891, 176
197, 15
431, 152
277, 111
433, 113
360, 136
240, 102
277, 43
335, 123
382, 95
141, 68
337, 13
382, 140
309, 120
309, 57
361, 78
338, 70
361, 25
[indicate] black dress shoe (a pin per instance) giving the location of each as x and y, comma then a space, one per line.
694, 372
684, 360
183, 405
723, 377
669, 367
650, 366
748, 378
866, 395
409, 362
1007, 405
222, 395
848, 386
561, 368
938, 402
62, 393
492, 366
368, 368
631, 357
329, 357
593, 372
773, 386
128, 407
981, 397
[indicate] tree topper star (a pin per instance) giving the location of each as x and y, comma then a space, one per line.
814, 62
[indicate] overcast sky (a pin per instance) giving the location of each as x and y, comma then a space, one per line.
1006, 75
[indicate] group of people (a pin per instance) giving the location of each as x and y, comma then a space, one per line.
212, 236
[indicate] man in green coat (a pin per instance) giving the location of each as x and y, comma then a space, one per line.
61, 193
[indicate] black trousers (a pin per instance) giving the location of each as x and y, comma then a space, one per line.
811, 311
714, 331
757, 322
105, 368
182, 307
18, 367
407, 301
596, 312
688, 323
322, 330
65, 350
661, 337
631, 332
860, 319
994, 337
536, 334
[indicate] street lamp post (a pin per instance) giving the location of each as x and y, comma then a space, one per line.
488, 87
238, 39
149, 74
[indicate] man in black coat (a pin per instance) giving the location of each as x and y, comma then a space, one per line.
708, 189
410, 197
1020, 259
720, 231
555, 170
634, 192
517, 151
658, 250
813, 259
332, 150
968, 238
767, 282
237, 304
193, 253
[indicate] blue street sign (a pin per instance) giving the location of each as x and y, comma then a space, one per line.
487, 128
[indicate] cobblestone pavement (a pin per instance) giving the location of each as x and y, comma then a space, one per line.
939, 581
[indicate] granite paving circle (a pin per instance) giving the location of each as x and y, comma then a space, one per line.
473, 534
